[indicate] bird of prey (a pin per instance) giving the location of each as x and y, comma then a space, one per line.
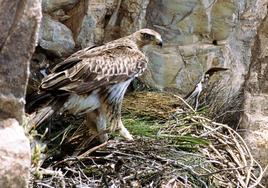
93, 82
195, 93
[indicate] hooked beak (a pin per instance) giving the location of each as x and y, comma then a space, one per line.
160, 43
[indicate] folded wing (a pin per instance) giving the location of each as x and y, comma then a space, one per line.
97, 67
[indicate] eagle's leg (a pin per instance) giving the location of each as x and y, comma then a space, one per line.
114, 117
96, 121
113, 105
117, 125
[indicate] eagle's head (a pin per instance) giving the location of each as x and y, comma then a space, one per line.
145, 37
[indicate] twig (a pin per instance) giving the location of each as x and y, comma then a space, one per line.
44, 185
189, 106
92, 150
258, 180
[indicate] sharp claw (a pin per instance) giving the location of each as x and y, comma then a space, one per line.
124, 133
130, 138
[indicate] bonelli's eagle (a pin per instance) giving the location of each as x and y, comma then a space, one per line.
93, 82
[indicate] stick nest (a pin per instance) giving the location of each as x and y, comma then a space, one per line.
187, 150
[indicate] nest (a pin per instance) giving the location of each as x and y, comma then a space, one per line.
153, 105
187, 150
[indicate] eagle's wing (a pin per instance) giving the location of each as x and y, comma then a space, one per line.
73, 59
85, 72
88, 52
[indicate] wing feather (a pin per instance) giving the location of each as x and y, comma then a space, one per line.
83, 73
72, 60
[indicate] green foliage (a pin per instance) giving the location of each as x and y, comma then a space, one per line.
144, 127
141, 126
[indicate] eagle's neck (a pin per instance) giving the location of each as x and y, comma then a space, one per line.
134, 39
130, 40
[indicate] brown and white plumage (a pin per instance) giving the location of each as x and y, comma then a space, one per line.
93, 81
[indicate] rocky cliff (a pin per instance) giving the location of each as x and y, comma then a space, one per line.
19, 23
198, 35
255, 115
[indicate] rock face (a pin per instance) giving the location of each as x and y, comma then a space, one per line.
14, 155
55, 37
19, 23
92, 27
52, 5
199, 35
255, 115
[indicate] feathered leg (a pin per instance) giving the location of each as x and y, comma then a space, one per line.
116, 122
96, 121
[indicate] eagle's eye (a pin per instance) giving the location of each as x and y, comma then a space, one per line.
147, 36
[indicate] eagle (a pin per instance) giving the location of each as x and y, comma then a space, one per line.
93, 81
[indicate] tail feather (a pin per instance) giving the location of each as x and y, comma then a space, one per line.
36, 100
43, 98
45, 112
40, 116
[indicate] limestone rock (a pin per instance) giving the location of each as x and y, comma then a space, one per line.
55, 37
90, 32
180, 22
92, 27
255, 112
87, 21
190, 28
133, 17
59, 15
177, 68
19, 23
16, 50
52, 5
15, 157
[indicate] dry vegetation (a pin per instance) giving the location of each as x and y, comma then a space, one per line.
174, 147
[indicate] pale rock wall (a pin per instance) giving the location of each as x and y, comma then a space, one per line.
19, 23
255, 115
52, 5
55, 37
